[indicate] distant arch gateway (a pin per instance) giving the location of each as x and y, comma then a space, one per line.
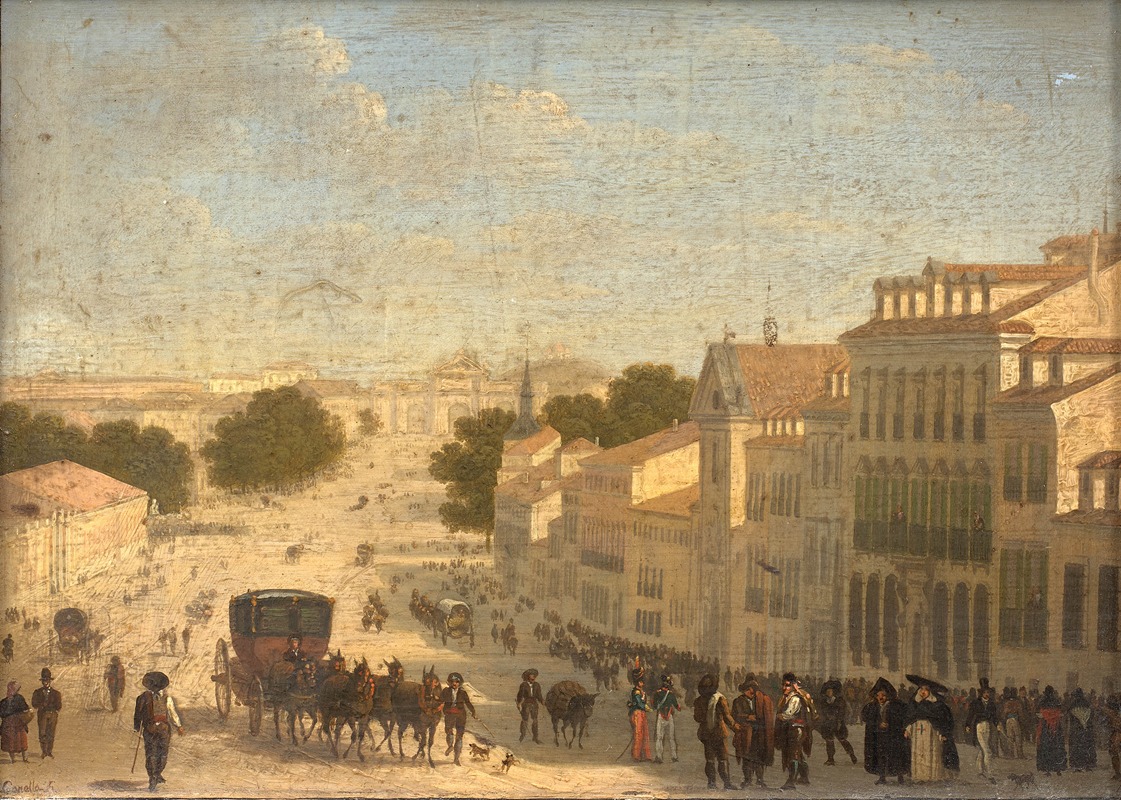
460, 387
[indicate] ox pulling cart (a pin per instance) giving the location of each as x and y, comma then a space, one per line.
260, 626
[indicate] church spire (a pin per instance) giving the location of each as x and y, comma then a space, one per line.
525, 425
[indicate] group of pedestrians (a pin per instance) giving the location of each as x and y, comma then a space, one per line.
16, 716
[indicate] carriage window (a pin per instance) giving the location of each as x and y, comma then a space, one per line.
315, 619
273, 620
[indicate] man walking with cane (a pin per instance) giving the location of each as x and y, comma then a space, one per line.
154, 717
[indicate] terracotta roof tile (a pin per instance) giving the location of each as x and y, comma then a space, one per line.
533, 443
642, 450
1022, 272
828, 404
541, 483
1047, 395
67, 486
785, 375
1106, 459
1058, 344
580, 445
677, 504
1099, 516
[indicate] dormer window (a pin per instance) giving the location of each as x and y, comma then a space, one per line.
716, 399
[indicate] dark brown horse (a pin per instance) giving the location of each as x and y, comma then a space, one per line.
418, 706
347, 698
292, 689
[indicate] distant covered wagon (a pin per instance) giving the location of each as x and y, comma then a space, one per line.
453, 618
71, 625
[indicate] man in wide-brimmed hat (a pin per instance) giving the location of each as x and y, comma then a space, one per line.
754, 712
981, 723
929, 726
714, 720
885, 747
794, 720
834, 711
154, 718
527, 701
47, 701
456, 705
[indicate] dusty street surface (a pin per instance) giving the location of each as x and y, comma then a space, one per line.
219, 758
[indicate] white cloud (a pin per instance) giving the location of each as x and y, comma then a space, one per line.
323, 54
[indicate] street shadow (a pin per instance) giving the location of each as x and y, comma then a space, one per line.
124, 787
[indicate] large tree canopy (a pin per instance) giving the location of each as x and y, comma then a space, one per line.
469, 467
646, 398
149, 459
281, 438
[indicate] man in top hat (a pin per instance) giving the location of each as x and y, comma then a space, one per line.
885, 748
456, 705
794, 730
980, 725
666, 705
528, 699
754, 712
714, 719
47, 701
154, 718
834, 711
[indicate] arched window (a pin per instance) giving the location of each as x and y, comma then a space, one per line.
961, 631
891, 623
940, 630
856, 619
872, 621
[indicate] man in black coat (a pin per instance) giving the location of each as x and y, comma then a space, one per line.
833, 711
154, 718
886, 751
528, 699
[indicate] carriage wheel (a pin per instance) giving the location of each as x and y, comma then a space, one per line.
255, 700
223, 680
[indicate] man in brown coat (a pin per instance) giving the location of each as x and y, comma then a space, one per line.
713, 718
754, 712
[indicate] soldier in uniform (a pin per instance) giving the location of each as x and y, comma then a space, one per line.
794, 730
713, 718
834, 711
456, 705
637, 706
666, 705
47, 701
154, 717
115, 681
754, 712
527, 701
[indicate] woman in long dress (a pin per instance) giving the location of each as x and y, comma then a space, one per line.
1051, 751
13, 723
929, 726
1080, 733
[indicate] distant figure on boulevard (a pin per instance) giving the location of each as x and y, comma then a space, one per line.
115, 681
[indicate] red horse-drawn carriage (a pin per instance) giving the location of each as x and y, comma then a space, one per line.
260, 624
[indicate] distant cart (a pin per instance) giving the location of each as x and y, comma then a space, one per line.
260, 624
452, 618
364, 555
72, 627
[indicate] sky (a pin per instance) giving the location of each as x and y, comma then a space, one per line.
192, 188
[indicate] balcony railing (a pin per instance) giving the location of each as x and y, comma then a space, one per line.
597, 560
919, 541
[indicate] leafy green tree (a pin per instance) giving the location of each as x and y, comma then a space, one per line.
280, 439
369, 423
646, 398
469, 468
150, 459
576, 416
28, 441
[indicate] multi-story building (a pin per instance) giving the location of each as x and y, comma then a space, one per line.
945, 419
753, 479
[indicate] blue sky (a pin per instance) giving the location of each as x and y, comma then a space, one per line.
622, 178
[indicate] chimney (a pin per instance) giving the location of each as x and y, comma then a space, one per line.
675, 424
1092, 280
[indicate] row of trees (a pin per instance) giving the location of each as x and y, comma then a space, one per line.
149, 458
645, 399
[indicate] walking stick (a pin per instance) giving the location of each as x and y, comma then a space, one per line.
628, 747
139, 738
